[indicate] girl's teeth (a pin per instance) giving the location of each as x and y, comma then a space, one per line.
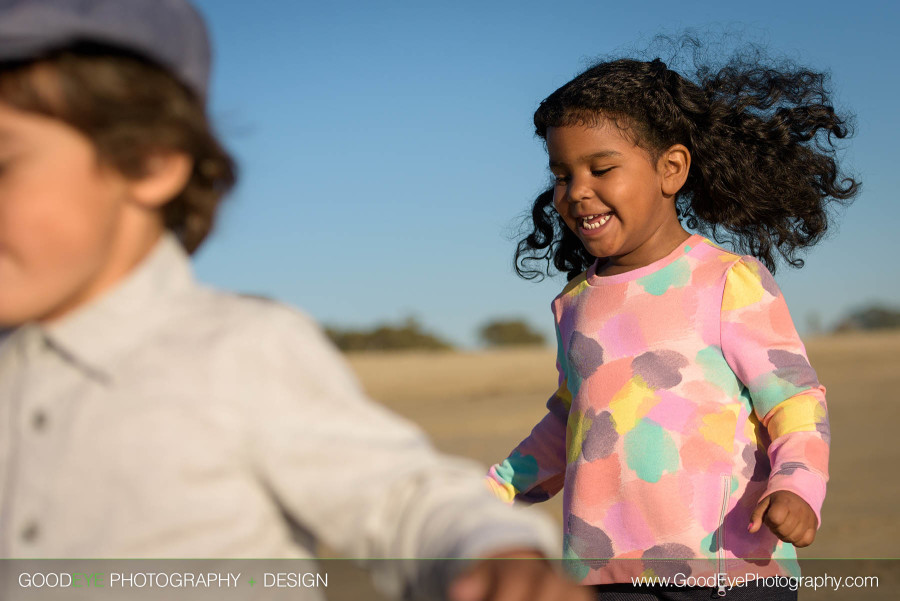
593, 226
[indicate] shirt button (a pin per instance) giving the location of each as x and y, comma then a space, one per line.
30, 532
39, 420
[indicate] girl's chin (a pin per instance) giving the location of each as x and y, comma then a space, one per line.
601, 248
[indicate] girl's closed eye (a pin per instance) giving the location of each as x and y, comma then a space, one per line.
560, 179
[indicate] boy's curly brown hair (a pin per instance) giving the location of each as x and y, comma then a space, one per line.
130, 109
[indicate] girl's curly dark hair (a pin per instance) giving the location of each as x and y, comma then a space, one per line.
763, 157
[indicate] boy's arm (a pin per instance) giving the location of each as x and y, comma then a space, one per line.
761, 345
367, 482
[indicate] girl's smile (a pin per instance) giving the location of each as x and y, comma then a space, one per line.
614, 197
594, 222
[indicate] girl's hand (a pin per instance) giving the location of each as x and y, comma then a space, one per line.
519, 579
788, 516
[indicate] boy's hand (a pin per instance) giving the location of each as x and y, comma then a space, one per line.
515, 580
788, 516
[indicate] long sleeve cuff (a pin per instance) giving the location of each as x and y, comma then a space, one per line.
499, 488
803, 482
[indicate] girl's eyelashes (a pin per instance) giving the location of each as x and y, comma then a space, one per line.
563, 179
558, 178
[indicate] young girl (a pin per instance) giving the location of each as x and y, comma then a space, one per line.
689, 433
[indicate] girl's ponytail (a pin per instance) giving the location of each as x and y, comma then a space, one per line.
762, 140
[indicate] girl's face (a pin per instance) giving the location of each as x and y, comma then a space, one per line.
613, 196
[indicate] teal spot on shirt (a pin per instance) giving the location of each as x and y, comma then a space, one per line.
745, 401
717, 371
786, 556
519, 470
650, 451
573, 382
708, 545
673, 275
768, 390
572, 563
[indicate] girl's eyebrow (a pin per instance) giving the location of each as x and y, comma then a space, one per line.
603, 154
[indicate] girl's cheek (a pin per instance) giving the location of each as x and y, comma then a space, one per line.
566, 219
558, 202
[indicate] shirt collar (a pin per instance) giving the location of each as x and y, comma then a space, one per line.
94, 335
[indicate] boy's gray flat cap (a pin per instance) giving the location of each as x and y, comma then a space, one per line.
170, 33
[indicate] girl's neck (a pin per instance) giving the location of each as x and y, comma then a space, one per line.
655, 248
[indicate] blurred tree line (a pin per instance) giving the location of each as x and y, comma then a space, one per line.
872, 317
410, 335
511, 332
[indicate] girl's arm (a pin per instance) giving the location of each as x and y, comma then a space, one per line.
762, 346
535, 470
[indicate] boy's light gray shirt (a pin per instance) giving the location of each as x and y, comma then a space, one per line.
170, 420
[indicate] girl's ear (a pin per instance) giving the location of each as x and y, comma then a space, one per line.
165, 176
674, 165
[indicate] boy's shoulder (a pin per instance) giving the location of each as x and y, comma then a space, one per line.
159, 323
195, 313
240, 311
246, 345
244, 323
229, 350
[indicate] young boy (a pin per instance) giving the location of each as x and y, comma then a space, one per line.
142, 415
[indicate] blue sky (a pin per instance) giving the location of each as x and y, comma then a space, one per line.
387, 152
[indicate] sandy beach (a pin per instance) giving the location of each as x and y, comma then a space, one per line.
480, 404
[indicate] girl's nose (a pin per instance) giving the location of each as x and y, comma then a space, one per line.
579, 190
